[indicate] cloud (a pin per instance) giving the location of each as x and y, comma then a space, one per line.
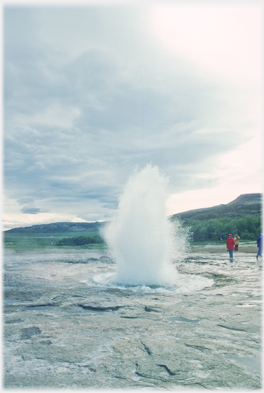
30, 210
90, 94
220, 38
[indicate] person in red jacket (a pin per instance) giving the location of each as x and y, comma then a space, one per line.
230, 244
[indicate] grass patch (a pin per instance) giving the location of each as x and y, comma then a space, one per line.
31, 241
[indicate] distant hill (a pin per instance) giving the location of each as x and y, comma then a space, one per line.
60, 227
245, 204
241, 216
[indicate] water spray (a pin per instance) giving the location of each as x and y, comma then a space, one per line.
140, 237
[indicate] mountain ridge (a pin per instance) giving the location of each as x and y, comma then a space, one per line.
60, 227
244, 204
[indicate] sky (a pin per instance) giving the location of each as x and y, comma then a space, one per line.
96, 90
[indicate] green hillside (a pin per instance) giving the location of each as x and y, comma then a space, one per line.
242, 216
59, 234
60, 227
246, 204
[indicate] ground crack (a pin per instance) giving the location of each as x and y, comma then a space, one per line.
231, 328
89, 368
146, 349
199, 347
166, 368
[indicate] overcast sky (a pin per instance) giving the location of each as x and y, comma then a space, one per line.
92, 92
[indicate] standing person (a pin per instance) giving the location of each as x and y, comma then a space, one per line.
236, 238
230, 244
259, 244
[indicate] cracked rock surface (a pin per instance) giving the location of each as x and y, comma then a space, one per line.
60, 331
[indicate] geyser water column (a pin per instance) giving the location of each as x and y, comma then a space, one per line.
140, 237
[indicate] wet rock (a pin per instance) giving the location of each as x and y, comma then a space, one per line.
149, 309
29, 332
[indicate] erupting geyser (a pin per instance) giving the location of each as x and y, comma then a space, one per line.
141, 237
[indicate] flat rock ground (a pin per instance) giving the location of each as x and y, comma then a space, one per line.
60, 332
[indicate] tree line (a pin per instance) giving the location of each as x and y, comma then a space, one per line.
80, 240
248, 228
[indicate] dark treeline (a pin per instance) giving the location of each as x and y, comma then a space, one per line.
248, 228
80, 240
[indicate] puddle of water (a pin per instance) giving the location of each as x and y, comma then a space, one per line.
249, 362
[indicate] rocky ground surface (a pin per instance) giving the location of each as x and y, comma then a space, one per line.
60, 332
